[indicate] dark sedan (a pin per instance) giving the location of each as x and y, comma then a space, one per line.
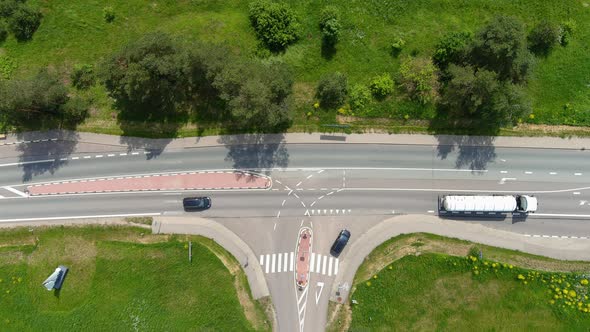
340, 243
196, 203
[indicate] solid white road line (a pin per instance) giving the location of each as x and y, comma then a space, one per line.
280, 265
311, 266
324, 265
286, 255
318, 263
267, 266
291, 261
330, 266
28, 162
18, 192
562, 215
274, 260
83, 217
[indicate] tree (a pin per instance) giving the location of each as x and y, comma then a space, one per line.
257, 95
82, 76
276, 25
501, 47
8, 7
544, 37
359, 97
24, 22
3, 31
147, 74
478, 97
332, 90
381, 85
330, 24
454, 48
419, 80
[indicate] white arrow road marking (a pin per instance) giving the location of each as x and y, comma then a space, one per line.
319, 294
18, 192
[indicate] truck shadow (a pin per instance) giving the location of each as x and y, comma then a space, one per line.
514, 218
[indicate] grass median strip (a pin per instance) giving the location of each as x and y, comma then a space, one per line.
122, 279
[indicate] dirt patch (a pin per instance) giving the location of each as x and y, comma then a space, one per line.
339, 316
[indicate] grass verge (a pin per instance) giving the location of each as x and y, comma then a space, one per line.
424, 282
122, 279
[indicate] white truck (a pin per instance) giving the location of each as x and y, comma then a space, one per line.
488, 203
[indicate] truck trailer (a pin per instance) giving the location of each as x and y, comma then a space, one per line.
488, 203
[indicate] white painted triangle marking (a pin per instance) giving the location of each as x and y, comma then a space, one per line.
319, 294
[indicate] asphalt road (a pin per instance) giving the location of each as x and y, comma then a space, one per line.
324, 186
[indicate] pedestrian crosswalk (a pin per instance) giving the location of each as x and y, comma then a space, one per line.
318, 212
284, 262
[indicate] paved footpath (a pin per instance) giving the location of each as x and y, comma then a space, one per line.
80, 142
211, 180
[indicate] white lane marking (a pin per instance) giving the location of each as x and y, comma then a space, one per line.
320, 197
330, 262
135, 153
296, 196
323, 188
320, 171
290, 191
75, 158
273, 260
297, 185
330, 193
302, 296
291, 262
313, 203
285, 261
305, 214
110, 155
303, 204
1, 196
577, 174
576, 193
562, 215
468, 190
552, 173
28, 162
280, 262
267, 266
503, 172
324, 265
274, 228
279, 214
528, 172
122, 154
318, 263
311, 266
503, 160
18, 192
98, 156
309, 176
279, 182
318, 294
503, 180
583, 202
336, 266
84, 217
261, 260
283, 204
430, 211
87, 157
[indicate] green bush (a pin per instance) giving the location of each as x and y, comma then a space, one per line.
381, 85
330, 24
567, 30
397, 46
8, 7
108, 13
3, 31
544, 37
83, 76
275, 23
418, 77
454, 48
24, 22
75, 110
359, 97
7, 66
332, 90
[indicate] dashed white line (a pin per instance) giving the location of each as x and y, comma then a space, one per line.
313, 203
309, 176
283, 202
298, 184
503, 172
75, 158
576, 192
320, 197
552, 173
577, 174
98, 156
528, 172
135, 153
303, 204
296, 195
110, 155
122, 154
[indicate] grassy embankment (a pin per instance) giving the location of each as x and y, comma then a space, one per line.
121, 279
421, 282
75, 32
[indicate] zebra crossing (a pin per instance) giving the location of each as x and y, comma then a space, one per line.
284, 262
318, 212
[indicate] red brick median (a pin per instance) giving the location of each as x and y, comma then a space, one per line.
171, 181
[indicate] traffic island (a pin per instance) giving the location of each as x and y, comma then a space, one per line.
202, 180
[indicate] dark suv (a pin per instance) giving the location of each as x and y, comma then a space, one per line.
196, 203
340, 243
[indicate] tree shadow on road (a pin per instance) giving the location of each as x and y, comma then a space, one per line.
474, 152
256, 152
54, 153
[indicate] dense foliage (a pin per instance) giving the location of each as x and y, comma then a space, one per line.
24, 21
418, 78
332, 90
276, 24
330, 24
544, 36
381, 85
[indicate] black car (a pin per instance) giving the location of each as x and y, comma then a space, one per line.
340, 243
196, 203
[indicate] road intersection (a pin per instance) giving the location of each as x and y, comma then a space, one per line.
325, 187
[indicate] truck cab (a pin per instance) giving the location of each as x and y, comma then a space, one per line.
527, 203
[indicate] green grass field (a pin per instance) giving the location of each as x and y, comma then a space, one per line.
119, 280
75, 32
424, 282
